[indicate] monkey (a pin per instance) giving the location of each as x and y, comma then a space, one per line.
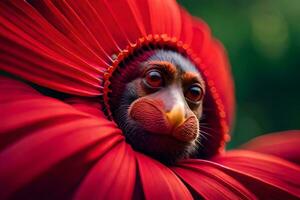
157, 101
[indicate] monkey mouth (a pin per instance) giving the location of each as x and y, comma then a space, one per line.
163, 147
180, 134
186, 132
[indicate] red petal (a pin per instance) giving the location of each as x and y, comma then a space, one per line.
158, 181
87, 105
210, 182
282, 144
112, 177
31, 54
280, 178
156, 20
186, 34
46, 143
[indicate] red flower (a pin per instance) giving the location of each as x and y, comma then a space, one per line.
56, 142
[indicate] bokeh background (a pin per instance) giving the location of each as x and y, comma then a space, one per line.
263, 42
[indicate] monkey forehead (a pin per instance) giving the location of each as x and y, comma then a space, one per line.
181, 63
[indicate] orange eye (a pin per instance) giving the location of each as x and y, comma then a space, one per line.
194, 93
154, 79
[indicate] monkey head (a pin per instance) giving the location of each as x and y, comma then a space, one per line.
157, 101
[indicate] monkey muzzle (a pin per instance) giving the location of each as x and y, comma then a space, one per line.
153, 117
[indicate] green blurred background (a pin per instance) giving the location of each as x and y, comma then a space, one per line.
263, 42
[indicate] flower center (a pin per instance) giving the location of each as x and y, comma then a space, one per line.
216, 118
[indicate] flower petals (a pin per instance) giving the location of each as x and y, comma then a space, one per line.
210, 182
112, 177
274, 177
282, 144
38, 133
158, 181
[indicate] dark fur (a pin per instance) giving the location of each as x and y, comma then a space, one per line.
164, 148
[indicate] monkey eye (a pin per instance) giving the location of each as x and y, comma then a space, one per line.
154, 79
194, 93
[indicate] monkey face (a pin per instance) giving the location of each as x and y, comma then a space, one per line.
160, 107
170, 99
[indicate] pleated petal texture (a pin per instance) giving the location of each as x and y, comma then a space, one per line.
46, 143
276, 178
34, 49
242, 175
210, 182
158, 181
112, 177
282, 144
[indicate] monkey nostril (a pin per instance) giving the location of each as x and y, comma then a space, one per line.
176, 116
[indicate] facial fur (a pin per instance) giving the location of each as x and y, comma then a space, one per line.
157, 102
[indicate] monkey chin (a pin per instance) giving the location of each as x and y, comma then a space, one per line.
162, 147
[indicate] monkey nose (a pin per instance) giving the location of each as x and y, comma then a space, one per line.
176, 116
